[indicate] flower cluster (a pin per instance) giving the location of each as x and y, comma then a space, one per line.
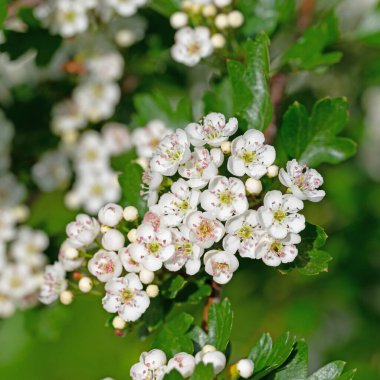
203, 26
154, 364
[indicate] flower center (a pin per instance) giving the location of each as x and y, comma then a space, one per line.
205, 229
276, 248
184, 249
108, 267
153, 248
126, 295
279, 215
15, 282
245, 231
97, 190
226, 197
193, 48
91, 155
248, 157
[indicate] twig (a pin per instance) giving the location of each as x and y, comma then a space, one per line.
214, 297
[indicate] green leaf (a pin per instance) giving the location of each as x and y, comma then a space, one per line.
194, 292
172, 286
203, 372
220, 318
313, 139
250, 85
330, 371
172, 337
119, 162
155, 314
219, 99
308, 52
3, 11
347, 375
261, 351
199, 337
165, 7
369, 29
173, 375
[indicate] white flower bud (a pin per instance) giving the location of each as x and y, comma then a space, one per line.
85, 284
178, 20
222, 3
113, 240
235, 19
21, 213
125, 38
132, 236
245, 368
272, 171
118, 323
146, 276
130, 213
111, 214
209, 10
216, 358
66, 297
72, 200
208, 348
218, 41
226, 147
253, 186
71, 253
221, 21
152, 291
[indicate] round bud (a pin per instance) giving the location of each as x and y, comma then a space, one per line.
146, 276
178, 20
221, 21
208, 348
113, 240
110, 215
130, 214
209, 10
66, 297
85, 284
235, 19
253, 186
218, 41
272, 171
118, 323
71, 253
222, 3
72, 200
217, 359
226, 147
132, 237
245, 368
21, 213
186, 5
152, 291
125, 38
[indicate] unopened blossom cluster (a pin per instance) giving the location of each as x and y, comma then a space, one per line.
203, 27
70, 17
155, 365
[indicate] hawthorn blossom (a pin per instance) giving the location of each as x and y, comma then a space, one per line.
201, 167
216, 358
202, 228
125, 8
183, 362
172, 151
108, 66
249, 155
54, 283
116, 138
67, 117
152, 366
302, 181
68, 257
105, 265
175, 205
279, 215
126, 259
82, 231
220, 265
211, 129
151, 184
191, 45
273, 251
125, 296
110, 215
243, 234
153, 246
225, 197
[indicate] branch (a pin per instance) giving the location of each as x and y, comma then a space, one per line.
214, 297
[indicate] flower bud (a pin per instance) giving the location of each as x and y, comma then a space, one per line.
113, 240
218, 41
85, 284
216, 358
186, 5
245, 368
152, 291
72, 200
226, 147
221, 21
209, 10
178, 20
253, 186
66, 297
130, 213
118, 323
235, 19
125, 38
222, 3
183, 363
146, 276
208, 348
71, 253
132, 237
272, 171
110, 215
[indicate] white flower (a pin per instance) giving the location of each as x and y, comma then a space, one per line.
69, 257
153, 246
107, 66
152, 366
125, 296
54, 283
201, 167
243, 233
125, 8
151, 184
186, 254
175, 205
191, 45
302, 181
11, 190
274, 251
29, 246
225, 197
67, 117
129, 264
105, 265
116, 138
279, 215
113, 240
110, 214
70, 18
211, 129
249, 155
220, 265
83, 231
202, 228
147, 139
7, 224
183, 363
172, 151
216, 358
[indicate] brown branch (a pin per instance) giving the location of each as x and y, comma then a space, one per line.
214, 297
